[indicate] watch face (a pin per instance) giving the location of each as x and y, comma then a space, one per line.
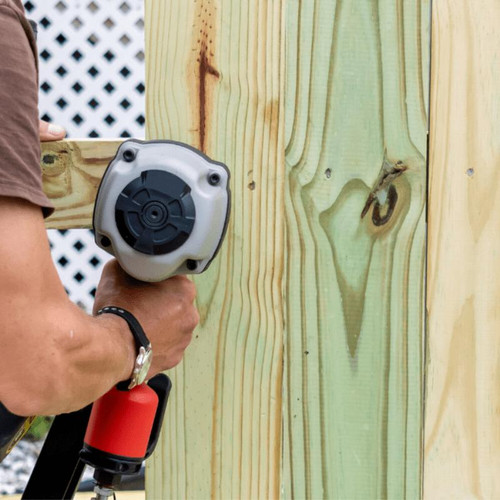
142, 365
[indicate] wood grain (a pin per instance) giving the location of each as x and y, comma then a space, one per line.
215, 80
347, 325
356, 122
462, 425
72, 171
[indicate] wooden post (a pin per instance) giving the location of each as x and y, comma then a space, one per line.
462, 425
353, 197
356, 118
305, 379
215, 80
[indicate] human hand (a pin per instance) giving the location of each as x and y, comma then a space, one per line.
165, 310
50, 132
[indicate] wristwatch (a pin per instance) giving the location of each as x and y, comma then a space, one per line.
144, 349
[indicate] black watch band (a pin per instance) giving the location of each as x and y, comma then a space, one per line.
140, 337
144, 350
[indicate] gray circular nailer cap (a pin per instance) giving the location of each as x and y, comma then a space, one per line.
155, 213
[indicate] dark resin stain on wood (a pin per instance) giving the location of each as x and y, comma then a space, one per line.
205, 66
384, 194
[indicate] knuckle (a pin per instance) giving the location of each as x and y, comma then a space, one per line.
179, 308
111, 265
175, 359
191, 319
190, 290
195, 319
186, 340
183, 286
178, 279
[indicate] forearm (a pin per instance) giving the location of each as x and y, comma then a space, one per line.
55, 358
62, 359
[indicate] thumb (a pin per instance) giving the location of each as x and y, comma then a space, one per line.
51, 132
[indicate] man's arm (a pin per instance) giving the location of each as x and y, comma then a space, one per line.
54, 357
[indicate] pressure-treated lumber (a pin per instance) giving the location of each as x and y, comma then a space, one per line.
72, 171
356, 121
305, 377
356, 129
462, 425
215, 81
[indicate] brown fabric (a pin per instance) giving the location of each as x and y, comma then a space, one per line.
20, 172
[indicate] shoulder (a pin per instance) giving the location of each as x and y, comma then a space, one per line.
12, 12
13, 9
13, 4
16, 27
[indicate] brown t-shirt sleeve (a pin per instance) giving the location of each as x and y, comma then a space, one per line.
20, 171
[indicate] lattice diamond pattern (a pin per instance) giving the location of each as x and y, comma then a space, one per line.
92, 65
79, 264
92, 83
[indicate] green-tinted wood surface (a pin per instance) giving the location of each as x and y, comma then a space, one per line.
354, 256
356, 120
215, 81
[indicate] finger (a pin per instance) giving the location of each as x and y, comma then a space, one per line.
51, 132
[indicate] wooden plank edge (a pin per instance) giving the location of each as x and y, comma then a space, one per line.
71, 174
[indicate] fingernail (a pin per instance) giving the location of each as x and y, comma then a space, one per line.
56, 130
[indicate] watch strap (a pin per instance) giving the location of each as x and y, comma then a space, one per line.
135, 327
143, 360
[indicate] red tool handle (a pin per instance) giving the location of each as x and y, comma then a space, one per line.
124, 428
121, 422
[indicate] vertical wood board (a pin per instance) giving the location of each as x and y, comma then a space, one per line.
215, 81
356, 121
462, 425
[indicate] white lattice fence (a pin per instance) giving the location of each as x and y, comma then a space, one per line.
92, 83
